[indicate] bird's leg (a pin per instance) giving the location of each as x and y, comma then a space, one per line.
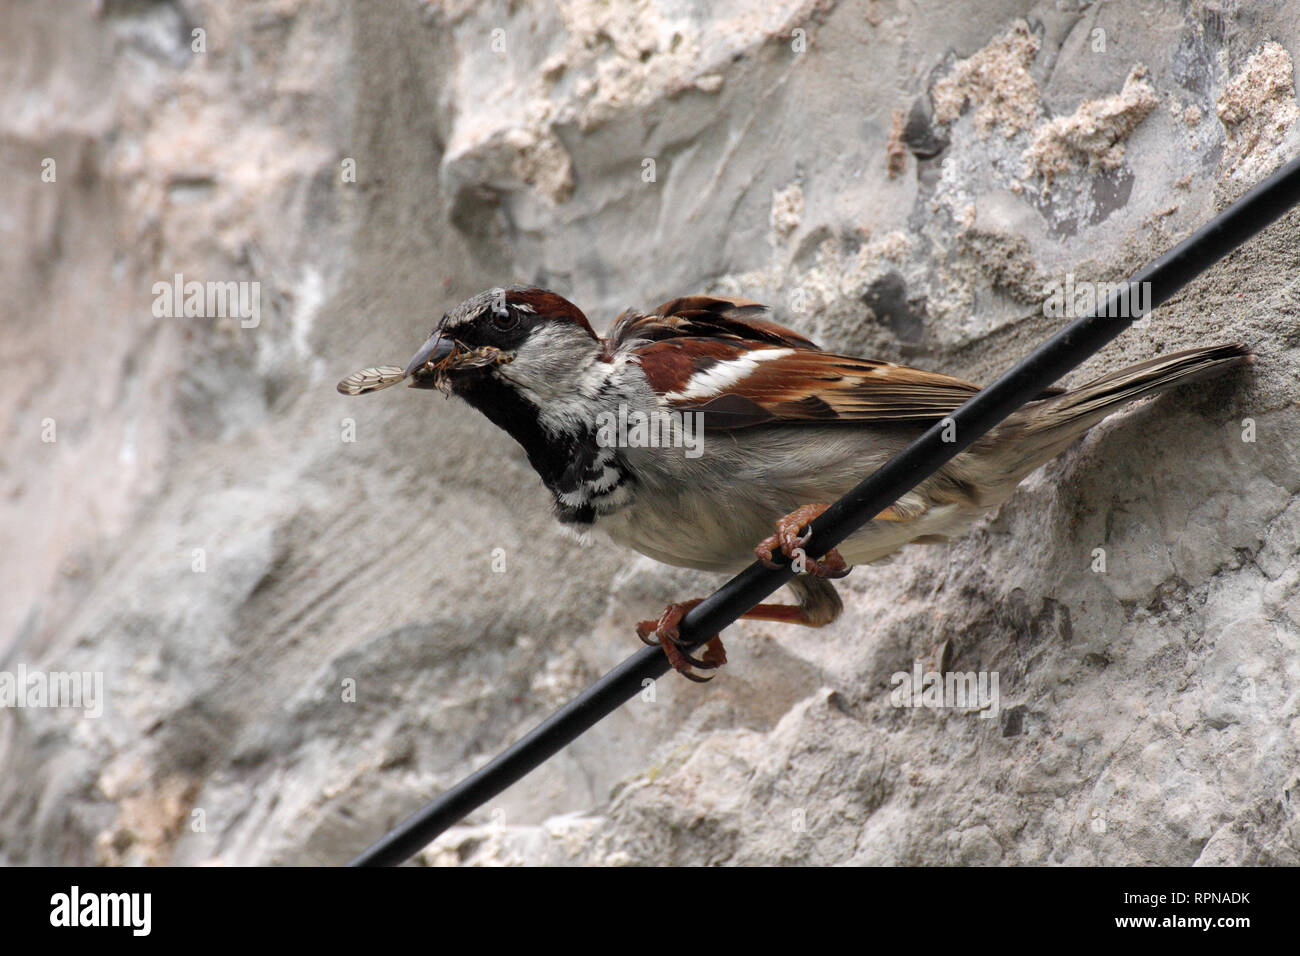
818, 606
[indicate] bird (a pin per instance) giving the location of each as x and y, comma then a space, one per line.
705, 435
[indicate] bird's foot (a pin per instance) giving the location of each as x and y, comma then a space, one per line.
791, 543
666, 633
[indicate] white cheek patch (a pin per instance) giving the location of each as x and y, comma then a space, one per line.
718, 377
548, 358
557, 370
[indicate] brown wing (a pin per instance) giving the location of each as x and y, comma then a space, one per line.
739, 320
738, 384
720, 356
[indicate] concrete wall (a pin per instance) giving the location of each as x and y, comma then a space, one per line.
897, 179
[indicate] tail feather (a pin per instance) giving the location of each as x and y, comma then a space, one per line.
1044, 428
1080, 408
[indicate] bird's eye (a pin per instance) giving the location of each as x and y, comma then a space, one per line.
504, 319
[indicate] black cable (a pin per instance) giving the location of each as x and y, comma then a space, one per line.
1259, 207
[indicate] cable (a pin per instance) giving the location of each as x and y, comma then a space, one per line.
1262, 205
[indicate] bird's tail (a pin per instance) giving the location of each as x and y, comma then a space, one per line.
1080, 408
1044, 428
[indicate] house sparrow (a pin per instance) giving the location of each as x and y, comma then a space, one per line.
697, 431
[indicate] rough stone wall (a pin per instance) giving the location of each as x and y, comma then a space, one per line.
898, 179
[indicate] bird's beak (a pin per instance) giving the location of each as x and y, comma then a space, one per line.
438, 349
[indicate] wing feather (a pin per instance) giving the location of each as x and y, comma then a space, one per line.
728, 319
718, 356
820, 387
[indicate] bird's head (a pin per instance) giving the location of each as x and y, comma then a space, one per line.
527, 337
520, 356
522, 337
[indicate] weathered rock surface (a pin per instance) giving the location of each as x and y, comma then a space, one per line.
303, 636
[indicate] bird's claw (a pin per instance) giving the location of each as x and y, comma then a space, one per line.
666, 633
791, 543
